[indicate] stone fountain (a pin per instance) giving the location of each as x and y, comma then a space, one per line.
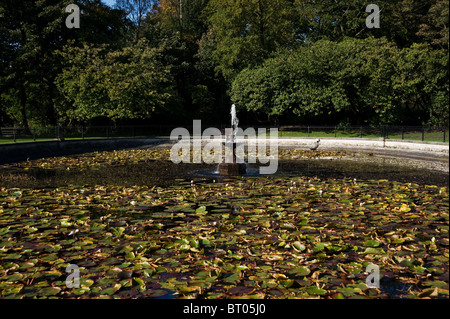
231, 165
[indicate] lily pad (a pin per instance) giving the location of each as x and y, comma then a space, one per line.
299, 246
372, 243
316, 291
49, 291
300, 271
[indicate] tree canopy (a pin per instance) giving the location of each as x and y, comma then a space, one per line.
364, 81
281, 61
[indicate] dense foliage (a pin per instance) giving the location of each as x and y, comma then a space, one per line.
298, 61
127, 83
371, 81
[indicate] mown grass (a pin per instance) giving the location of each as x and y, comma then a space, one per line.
354, 133
414, 136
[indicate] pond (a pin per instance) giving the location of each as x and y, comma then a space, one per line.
151, 166
139, 226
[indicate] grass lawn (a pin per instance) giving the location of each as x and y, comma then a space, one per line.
27, 140
429, 137
412, 136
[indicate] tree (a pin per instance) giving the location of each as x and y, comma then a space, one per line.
137, 11
368, 81
247, 31
401, 20
129, 83
184, 16
20, 54
331, 20
33, 32
100, 24
423, 83
200, 92
435, 27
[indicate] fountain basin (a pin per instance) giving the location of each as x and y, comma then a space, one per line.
232, 168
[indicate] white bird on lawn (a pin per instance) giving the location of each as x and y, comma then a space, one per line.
315, 146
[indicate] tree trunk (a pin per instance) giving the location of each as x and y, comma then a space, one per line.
23, 106
51, 114
262, 38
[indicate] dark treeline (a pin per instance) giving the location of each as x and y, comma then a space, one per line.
171, 61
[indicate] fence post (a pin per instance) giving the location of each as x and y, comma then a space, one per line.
335, 131
308, 130
360, 132
14, 134
423, 133
403, 133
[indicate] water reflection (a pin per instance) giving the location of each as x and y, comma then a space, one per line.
165, 173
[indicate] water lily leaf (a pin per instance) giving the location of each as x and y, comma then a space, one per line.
437, 283
184, 247
429, 292
233, 278
419, 269
201, 210
117, 231
372, 243
130, 255
348, 291
81, 290
12, 290
319, 247
374, 251
13, 277
315, 291
240, 290
13, 256
26, 265
288, 226
156, 293
3, 231
52, 274
16, 194
300, 271
49, 291
298, 246
65, 223
85, 282
112, 290
194, 243
182, 241
286, 283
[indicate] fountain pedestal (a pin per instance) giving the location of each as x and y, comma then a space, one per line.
233, 168
230, 166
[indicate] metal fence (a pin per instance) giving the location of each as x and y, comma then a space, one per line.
415, 133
